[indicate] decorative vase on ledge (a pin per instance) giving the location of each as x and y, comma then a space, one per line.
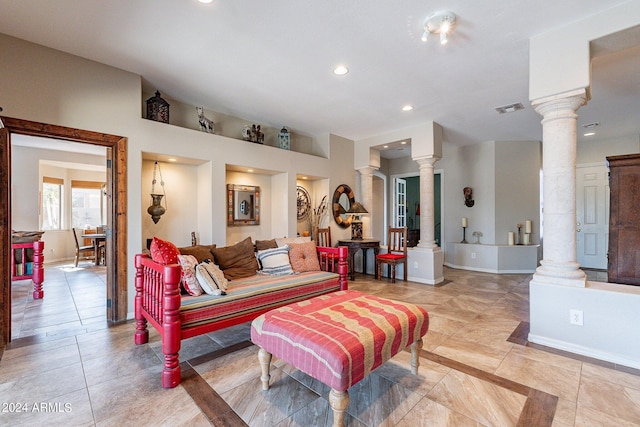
284, 139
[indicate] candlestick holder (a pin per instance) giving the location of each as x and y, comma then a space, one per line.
464, 235
519, 242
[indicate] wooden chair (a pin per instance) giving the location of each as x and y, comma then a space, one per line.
323, 238
396, 253
85, 251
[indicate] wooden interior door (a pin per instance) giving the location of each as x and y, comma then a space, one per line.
624, 224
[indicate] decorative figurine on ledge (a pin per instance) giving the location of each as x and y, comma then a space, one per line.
206, 125
468, 197
253, 134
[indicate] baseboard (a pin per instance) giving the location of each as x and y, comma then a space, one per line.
488, 270
584, 351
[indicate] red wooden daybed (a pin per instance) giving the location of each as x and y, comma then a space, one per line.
177, 317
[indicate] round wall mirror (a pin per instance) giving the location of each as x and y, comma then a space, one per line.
343, 198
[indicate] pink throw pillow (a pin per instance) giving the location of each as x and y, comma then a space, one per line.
189, 280
304, 257
164, 252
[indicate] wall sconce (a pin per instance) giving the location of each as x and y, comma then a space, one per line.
439, 23
156, 210
355, 211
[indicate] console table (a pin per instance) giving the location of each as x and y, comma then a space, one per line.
26, 263
354, 246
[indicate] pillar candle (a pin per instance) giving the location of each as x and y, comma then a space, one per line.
464, 221
526, 238
511, 238
527, 226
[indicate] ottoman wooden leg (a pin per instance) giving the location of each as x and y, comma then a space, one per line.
339, 401
265, 363
415, 356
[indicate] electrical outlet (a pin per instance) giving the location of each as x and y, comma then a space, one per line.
473, 255
575, 317
415, 264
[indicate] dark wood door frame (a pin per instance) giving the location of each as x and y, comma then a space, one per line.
116, 157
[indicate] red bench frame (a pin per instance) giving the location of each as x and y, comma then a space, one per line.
158, 299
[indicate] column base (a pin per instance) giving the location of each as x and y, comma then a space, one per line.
565, 273
425, 265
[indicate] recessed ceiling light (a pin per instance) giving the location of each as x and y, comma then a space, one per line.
404, 143
249, 170
340, 70
407, 108
205, 1
172, 160
305, 177
589, 134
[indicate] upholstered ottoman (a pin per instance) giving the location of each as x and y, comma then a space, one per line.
339, 338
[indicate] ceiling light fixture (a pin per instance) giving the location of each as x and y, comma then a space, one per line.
589, 134
510, 108
407, 108
205, 1
441, 23
340, 70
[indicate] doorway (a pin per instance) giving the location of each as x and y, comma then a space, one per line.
116, 249
406, 205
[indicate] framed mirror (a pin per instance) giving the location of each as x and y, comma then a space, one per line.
243, 205
343, 198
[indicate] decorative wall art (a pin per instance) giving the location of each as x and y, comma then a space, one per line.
468, 197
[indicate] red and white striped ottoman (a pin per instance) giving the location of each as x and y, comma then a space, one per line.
339, 338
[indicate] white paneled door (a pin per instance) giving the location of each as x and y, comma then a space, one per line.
592, 212
400, 219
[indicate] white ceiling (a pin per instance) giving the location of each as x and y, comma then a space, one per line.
271, 62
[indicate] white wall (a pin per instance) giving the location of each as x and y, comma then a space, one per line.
50, 86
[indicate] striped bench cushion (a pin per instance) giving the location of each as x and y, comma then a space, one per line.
255, 293
341, 337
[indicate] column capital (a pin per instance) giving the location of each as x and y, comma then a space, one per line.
426, 160
562, 105
368, 170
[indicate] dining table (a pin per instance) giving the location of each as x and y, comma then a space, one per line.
96, 239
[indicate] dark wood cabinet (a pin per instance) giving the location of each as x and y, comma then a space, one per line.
624, 219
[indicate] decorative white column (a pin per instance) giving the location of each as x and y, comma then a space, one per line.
427, 197
366, 199
559, 123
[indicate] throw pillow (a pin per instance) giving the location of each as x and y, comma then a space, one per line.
261, 245
304, 257
189, 281
211, 278
236, 261
164, 252
275, 261
201, 252
289, 240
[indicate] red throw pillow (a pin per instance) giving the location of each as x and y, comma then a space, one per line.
164, 252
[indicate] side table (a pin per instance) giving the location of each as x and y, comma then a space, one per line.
354, 246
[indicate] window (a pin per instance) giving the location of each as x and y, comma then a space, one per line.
51, 203
86, 203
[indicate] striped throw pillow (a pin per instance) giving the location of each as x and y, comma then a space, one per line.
275, 261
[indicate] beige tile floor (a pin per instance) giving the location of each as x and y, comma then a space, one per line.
65, 366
